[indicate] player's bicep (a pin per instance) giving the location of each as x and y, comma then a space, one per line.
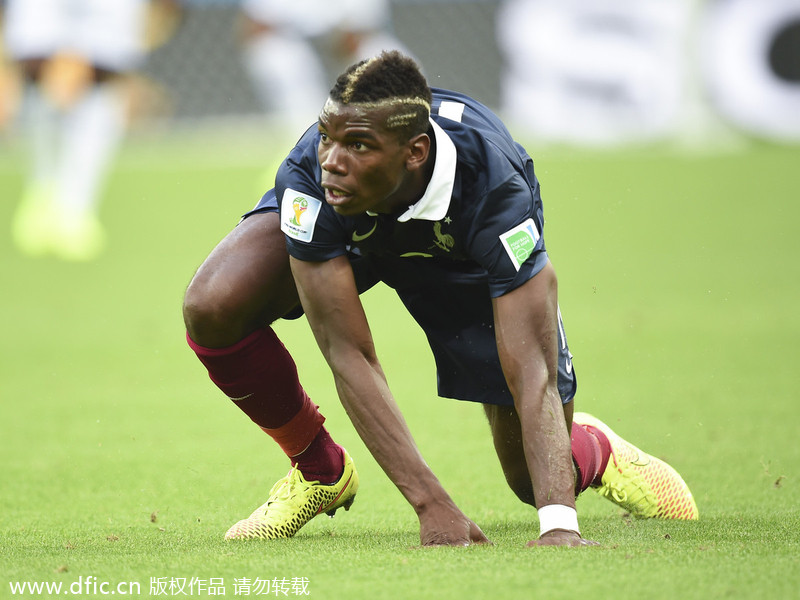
330, 299
526, 326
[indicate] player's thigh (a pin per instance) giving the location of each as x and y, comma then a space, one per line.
245, 283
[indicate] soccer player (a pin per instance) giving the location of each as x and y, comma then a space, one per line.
71, 55
427, 191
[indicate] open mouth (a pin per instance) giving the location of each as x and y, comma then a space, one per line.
335, 196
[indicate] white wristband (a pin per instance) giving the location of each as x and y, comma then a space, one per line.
557, 516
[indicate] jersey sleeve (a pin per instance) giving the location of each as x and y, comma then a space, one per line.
313, 230
507, 237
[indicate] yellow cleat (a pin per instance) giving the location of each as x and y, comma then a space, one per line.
641, 484
40, 227
78, 238
293, 502
33, 222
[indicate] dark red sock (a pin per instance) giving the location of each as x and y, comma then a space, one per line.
322, 461
258, 374
587, 456
605, 452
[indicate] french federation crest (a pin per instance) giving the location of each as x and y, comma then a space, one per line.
299, 214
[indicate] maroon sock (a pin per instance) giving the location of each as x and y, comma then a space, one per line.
605, 452
258, 374
587, 457
322, 461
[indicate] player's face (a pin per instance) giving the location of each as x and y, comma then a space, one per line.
364, 165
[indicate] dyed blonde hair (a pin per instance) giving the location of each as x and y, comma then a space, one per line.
390, 80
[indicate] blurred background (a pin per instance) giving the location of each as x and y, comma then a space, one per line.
80, 77
606, 72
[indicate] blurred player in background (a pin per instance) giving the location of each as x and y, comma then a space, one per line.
428, 192
9, 82
290, 47
72, 56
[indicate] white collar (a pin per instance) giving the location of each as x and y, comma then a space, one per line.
434, 203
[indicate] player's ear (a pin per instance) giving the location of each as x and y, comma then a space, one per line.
419, 148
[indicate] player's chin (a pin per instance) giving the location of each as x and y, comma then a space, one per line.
345, 207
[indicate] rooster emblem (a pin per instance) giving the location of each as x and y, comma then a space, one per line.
444, 241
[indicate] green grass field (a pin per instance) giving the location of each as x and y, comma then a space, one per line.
680, 289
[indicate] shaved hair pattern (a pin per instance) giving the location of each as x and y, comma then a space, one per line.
385, 81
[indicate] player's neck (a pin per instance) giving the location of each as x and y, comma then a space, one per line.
413, 187
422, 177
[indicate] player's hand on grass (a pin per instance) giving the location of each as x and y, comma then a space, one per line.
447, 526
562, 537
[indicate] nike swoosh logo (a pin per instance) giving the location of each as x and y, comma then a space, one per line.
563, 337
422, 254
360, 237
240, 398
339, 495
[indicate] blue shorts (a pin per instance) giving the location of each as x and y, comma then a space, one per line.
458, 320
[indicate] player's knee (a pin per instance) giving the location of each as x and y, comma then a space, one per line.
208, 316
198, 315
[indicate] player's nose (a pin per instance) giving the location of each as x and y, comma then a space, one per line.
332, 160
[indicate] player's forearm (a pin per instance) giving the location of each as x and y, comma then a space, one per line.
547, 448
526, 328
374, 413
330, 299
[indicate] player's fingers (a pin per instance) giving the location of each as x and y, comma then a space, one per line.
470, 534
477, 536
444, 539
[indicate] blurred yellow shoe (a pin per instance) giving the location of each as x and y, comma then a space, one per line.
293, 502
34, 221
41, 227
641, 484
78, 238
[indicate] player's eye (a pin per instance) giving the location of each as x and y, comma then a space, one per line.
360, 146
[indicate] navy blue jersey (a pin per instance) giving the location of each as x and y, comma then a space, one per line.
480, 217
475, 234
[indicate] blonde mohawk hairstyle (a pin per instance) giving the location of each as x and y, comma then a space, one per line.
388, 80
